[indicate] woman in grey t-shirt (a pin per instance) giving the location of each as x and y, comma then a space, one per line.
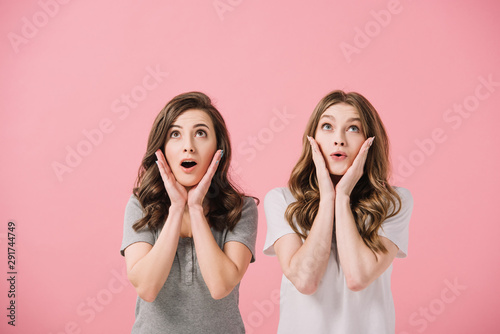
189, 234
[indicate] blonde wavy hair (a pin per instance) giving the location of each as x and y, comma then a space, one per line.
372, 200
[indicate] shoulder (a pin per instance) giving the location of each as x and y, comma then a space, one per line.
133, 209
403, 213
280, 195
396, 226
245, 230
134, 213
403, 193
249, 206
133, 201
406, 197
133, 206
276, 203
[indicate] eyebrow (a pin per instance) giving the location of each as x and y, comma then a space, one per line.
352, 119
195, 126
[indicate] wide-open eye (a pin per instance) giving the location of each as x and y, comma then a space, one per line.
353, 128
327, 126
201, 133
175, 134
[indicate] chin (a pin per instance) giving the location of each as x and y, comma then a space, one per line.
189, 184
188, 181
337, 172
338, 169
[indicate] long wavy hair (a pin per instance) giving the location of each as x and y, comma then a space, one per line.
225, 201
372, 200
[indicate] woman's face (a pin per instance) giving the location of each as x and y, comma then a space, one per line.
190, 146
340, 136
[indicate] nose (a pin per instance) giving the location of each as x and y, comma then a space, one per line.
189, 145
339, 139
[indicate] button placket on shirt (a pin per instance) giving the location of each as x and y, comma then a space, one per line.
188, 247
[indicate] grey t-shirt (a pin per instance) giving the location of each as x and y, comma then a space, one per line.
184, 303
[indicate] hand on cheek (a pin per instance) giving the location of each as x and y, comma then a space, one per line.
325, 184
354, 173
176, 192
198, 192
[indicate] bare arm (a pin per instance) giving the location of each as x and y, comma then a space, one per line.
149, 266
221, 270
361, 266
304, 264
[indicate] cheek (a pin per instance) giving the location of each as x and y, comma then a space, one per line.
321, 140
208, 156
360, 143
355, 141
210, 147
170, 152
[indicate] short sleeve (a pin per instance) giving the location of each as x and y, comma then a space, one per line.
275, 205
133, 212
396, 228
245, 230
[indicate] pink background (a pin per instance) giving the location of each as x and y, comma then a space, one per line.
67, 69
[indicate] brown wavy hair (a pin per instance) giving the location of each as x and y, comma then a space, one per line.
225, 201
372, 200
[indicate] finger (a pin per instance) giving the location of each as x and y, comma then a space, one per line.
203, 185
360, 159
213, 166
323, 174
161, 158
314, 145
164, 175
368, 143
164, 164
318, 159
164, 168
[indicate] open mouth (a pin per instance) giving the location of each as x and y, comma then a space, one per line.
188, 164
338, 155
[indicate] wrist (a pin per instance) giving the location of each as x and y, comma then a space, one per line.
327, 200
176, 207
342, 199
195, 207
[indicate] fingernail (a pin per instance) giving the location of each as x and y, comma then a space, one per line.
221, 154
371, 141
157, 162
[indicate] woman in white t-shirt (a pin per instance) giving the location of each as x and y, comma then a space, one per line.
339, 225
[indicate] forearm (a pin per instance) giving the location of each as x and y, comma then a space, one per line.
219, 272
356, 258
308, 265
148, 275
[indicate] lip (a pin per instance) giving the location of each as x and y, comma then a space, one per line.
190, 169
338, 156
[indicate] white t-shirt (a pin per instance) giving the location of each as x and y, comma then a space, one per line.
334, 308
